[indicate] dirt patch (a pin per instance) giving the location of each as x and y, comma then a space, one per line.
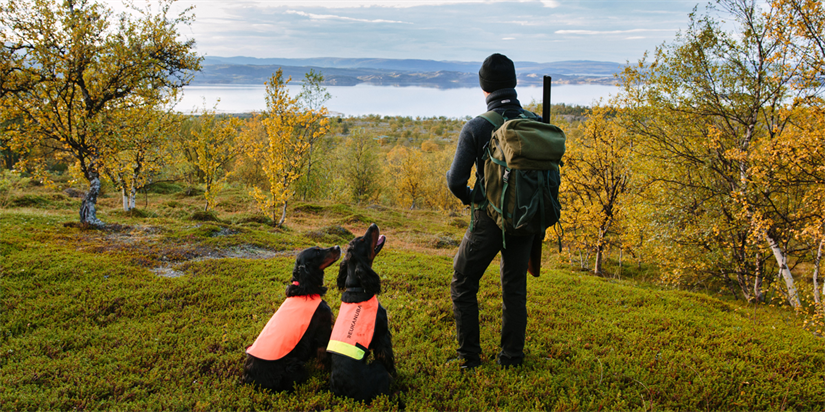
238, 252
251, 252
146, 246
167, 272
225, 232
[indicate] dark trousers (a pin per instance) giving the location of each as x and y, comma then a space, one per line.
477, 250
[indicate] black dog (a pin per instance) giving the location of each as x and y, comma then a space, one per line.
298, 331
362, 325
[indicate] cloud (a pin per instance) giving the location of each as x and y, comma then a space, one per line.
334, 17
525, 30
611, 31
337, 4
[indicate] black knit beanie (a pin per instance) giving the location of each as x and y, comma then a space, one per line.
497, 72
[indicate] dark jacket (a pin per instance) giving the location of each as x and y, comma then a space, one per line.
474, 135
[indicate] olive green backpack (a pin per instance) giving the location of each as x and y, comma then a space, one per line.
521, 174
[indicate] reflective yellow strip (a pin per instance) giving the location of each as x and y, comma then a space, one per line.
345, 349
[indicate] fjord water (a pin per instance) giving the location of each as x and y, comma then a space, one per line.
366, 99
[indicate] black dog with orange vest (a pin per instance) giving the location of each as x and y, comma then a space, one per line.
362, 327
298, 331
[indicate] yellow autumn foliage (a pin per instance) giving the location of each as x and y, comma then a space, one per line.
284, 151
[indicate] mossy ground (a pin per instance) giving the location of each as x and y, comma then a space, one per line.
89, 323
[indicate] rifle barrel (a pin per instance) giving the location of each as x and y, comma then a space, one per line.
545, 115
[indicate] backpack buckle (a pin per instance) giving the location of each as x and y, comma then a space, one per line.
506, 175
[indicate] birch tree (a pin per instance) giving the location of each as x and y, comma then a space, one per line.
801, 25
138, 158
216, 144
284, 152
436, 193
313, 96
76, 65
704, 109
360, 166
406, 166
596, 178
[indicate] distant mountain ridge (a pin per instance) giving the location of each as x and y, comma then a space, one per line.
396, 72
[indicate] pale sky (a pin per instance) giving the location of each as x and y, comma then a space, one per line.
461, 30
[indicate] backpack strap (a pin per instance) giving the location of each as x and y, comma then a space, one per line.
496, 120
494, 117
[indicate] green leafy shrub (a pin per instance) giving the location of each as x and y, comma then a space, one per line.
10, 182
5, 186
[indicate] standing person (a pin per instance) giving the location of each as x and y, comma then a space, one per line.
483, 241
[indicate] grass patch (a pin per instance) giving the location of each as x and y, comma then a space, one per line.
331, 234
136, 213
255, 218
205, 216
87, 324
164, 188
189, 192
41, 201
310, 208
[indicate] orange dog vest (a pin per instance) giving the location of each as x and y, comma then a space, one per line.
355, 324
285, 328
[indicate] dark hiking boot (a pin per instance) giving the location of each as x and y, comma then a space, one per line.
469, 365
466, 365
507, 363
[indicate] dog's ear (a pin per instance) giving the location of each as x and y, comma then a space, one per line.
370, 280
342, 275
299, 273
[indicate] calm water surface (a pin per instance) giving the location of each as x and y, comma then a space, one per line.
384, 100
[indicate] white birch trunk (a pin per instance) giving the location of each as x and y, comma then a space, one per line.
597, 265
88, 212
757, 282
283, 216
125, 198
817, 295
133, 186
784, 271
132, 196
